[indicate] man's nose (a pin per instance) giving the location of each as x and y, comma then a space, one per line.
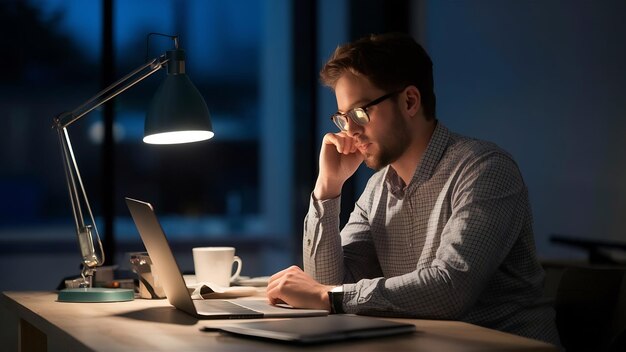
353, 129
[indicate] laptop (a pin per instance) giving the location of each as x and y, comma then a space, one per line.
317, 329
174, 285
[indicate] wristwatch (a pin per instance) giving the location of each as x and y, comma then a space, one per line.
335, 296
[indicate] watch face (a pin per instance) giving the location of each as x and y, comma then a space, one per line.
337, 289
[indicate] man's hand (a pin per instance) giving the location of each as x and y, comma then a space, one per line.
339, 159
296, 288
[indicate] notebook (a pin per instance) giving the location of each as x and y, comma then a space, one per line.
174, 285
317, 329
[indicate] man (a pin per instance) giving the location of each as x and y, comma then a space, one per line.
443, 230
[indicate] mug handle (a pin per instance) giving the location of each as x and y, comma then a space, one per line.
239, 265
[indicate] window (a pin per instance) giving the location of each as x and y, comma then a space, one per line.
232, 190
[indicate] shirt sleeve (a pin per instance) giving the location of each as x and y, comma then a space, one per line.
487, 198
321, 244
331, 258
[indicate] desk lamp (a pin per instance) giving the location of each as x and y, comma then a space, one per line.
177, 114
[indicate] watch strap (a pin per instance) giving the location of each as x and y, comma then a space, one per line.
336, 302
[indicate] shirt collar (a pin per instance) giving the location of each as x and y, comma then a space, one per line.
425, 169
436, 147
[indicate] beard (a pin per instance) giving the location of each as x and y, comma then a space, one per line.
392, 145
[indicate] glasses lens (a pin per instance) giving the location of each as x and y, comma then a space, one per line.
359, 116
341, 122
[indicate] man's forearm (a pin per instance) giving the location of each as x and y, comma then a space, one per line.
426, 293
321, 247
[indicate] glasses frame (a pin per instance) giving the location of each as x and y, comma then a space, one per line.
353, 113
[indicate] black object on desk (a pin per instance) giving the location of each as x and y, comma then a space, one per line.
313, 330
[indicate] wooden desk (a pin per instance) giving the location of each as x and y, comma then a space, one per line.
32, 321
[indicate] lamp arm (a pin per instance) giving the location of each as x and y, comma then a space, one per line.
78, 196
110, 92
77, 193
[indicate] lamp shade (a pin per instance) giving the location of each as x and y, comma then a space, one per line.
177, 113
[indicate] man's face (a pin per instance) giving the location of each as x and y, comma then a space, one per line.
386, 137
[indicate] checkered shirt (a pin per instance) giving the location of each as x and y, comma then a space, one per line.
456, 243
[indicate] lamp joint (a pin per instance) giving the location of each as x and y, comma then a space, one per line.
57, 122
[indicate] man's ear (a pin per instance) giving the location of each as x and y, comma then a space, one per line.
413, 100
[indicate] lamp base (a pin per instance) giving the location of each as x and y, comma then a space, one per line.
95, 295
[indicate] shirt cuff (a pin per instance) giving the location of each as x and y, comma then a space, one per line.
324, 208
349, 295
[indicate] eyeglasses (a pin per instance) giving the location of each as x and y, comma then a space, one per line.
358, 115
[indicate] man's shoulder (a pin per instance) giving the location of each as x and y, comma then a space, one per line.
471, 157
463, 147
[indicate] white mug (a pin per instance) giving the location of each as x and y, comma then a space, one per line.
215, 265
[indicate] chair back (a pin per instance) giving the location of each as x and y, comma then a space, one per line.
590, 308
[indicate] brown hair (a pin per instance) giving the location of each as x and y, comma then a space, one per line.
390, 61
